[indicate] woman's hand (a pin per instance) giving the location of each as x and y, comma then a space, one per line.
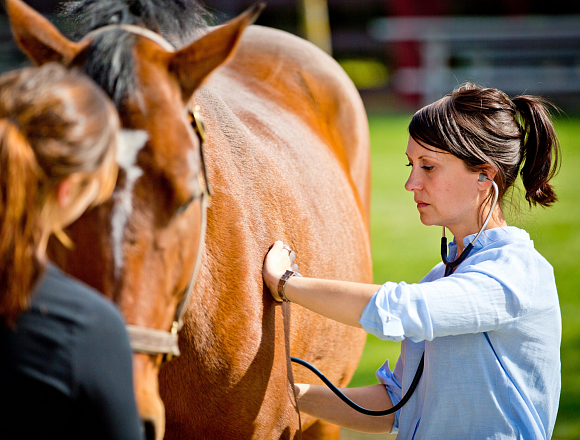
280, 258
342, 301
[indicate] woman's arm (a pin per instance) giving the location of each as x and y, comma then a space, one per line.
320, 402
341, 301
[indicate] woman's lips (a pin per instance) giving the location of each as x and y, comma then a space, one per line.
422, 205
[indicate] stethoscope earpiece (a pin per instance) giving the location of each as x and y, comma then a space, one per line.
482, 177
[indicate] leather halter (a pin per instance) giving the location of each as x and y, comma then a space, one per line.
149, 340
153, 341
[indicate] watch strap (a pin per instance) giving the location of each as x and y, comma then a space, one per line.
282, 284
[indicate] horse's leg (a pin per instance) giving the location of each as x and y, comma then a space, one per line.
321, 430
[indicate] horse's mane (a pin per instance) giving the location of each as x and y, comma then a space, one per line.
110, 59
179, 21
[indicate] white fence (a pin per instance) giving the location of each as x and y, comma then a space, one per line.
525, 54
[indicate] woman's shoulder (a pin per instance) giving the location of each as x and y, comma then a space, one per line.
66, 322
95, 324
510, 244
508, 255
66, 298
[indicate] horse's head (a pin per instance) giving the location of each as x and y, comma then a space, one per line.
141, 248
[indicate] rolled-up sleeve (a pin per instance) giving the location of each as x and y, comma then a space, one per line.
481, 297
394, 389
397, 311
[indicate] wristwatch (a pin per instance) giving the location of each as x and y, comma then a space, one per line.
282, 283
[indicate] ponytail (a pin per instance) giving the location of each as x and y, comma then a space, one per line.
20, 225
540, 151
54, 123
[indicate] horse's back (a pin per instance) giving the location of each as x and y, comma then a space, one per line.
288, 158
302, 78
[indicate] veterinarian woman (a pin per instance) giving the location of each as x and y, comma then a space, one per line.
489, 328
65, 360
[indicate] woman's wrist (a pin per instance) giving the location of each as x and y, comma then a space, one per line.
300, 389
272, 281
281, 288
278, 268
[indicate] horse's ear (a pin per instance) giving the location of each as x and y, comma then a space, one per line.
38, 37
192, 64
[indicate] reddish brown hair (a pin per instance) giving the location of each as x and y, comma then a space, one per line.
53, 123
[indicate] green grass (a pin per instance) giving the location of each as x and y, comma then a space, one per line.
404, 249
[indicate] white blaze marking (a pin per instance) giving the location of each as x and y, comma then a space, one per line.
129, 143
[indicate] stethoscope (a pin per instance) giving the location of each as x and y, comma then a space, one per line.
449, 268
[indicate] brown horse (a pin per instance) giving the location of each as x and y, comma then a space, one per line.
288, 158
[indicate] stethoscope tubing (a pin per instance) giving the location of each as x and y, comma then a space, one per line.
451, 265
359, 408
449, 268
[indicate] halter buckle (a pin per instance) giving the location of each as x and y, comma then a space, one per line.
174, 330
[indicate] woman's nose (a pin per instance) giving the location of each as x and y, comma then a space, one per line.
412, 182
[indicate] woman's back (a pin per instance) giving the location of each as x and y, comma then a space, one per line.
65, 359
60, 362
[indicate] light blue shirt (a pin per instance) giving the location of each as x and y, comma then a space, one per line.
491, 334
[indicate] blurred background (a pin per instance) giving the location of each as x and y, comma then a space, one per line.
403, 54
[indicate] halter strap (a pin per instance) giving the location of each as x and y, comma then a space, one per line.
154, 341
144, 339
132, 29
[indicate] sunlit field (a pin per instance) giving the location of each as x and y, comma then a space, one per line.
404, 249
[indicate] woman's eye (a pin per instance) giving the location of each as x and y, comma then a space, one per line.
427, 167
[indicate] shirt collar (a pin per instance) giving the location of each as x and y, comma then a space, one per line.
490, 236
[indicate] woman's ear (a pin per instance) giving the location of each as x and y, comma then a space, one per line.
489, 172
64, 193
68, 190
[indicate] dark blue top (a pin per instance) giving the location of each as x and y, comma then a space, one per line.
65, 368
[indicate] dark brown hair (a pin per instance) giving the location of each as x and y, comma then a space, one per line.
484, 126
53, 123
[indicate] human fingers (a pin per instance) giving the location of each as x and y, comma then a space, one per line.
291, 254
277, 261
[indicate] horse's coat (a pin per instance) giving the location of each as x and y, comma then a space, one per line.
288, 159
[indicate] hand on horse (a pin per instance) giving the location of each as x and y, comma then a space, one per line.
280, 258
342, 301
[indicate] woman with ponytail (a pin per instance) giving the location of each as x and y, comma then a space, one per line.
65, 360
484, 326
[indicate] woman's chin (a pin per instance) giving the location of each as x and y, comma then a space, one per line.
427, 220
